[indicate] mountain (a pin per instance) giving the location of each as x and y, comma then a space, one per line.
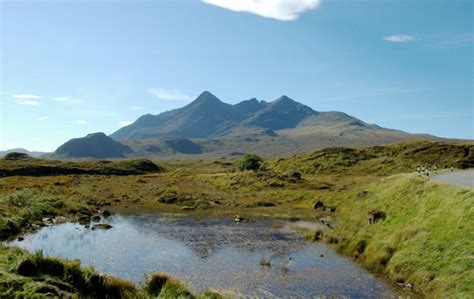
208, 116
208, 126
95, 145
33, 154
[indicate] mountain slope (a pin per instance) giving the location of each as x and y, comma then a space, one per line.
96, 145
205, 116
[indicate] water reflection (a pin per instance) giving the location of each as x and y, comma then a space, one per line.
210, 254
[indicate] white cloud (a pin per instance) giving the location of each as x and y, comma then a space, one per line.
26, 96
81, 122
282, 10
28, 103
136, 108
399, 38
42, 118
169, 95
124, 123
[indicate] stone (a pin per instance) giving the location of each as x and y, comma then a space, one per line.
319, 205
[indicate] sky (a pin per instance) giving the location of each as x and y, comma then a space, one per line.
73, 67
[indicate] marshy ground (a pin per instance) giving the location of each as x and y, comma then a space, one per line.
420, 237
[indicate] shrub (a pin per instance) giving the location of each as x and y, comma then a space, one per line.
250, 162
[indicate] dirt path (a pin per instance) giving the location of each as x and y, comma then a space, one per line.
462, 178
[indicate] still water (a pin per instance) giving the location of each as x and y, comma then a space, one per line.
211, 253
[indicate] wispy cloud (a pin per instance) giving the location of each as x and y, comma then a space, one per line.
26, 96
124, 123
282, 10
81, 122
43, 118
452, 41
399, 38
136, 108
28, 103
169, 95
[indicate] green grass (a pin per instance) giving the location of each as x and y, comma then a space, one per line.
426, 239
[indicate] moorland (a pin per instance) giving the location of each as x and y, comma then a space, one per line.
374, 207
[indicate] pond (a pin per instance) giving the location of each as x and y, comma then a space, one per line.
211, 253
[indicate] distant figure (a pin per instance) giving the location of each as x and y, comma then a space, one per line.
452, 169
435, 169
422, 170
427, 173
418, 169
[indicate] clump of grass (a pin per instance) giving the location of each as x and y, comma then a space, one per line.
174, 289
265, 263
156, 282
37, 264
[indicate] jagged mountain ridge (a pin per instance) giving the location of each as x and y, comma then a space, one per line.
207, 116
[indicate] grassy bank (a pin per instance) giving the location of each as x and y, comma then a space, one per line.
425, 238
24, 275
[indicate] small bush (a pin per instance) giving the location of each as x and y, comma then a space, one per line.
250, 162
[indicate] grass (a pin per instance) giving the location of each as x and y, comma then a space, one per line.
425, 239
25, 275
28, 166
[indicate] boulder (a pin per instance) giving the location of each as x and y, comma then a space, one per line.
102, 226
319, 205
238, 218
375, 216
295, 175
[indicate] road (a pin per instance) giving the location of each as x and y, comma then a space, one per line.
462, 178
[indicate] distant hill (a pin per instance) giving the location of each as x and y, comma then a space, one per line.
281, 127
23, 151
96, 145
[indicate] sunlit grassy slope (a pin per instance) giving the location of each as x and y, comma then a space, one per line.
426, 239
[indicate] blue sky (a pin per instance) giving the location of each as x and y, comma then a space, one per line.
69, 68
